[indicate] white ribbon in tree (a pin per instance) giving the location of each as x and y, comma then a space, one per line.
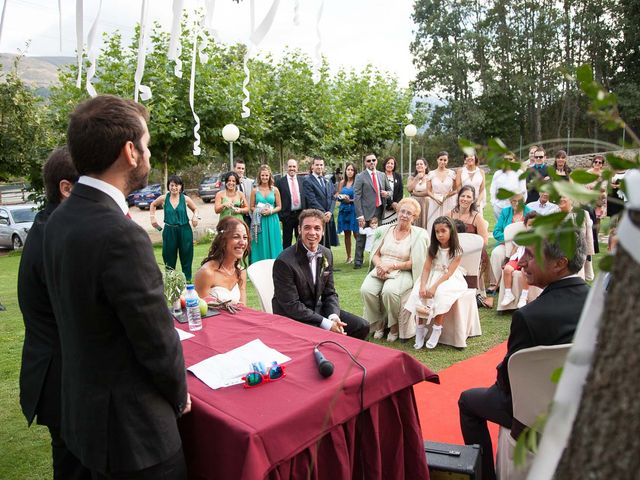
628, 233
92, 53
79, 41
59, 21
142, 90
4, 11
192, 83
296, 13
316, 73
256, 37
175, 44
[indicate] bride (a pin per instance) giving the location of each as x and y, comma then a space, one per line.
222, 274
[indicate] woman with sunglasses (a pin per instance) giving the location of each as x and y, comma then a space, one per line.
222, 275
399, 251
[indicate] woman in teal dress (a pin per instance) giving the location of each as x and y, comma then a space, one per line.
230, 202
177, 236
266, 239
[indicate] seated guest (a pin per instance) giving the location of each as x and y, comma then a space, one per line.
507, 179
514, 213
303, 275
441, 282
513, 265
551, 319
399, 254
222, 275
543, 206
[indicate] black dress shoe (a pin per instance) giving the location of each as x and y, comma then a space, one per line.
355, 267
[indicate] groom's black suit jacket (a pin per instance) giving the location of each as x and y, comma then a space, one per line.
123, 375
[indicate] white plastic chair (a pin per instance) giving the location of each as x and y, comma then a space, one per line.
516, 285
532, 391
260, 274
463, 320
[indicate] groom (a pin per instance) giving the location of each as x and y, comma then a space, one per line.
303, 277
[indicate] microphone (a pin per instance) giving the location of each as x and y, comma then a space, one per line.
325, 367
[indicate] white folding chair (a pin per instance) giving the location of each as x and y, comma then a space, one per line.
260, 274
532, 391
463, 320
516, 285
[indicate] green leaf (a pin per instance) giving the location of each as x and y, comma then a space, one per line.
527, 238
520, 450
552, 219
620, 163
467, 146
504, 194
576, 192
583, 177
584, 74
556, 374
497, 145
567, 239
580, 216
606, 263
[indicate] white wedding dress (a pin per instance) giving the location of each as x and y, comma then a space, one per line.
222, 294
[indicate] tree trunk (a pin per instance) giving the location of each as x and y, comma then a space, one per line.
604, 442
165, 169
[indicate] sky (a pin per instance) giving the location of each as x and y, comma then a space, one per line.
353, 32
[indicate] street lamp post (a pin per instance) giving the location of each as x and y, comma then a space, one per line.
230, 133
410, 132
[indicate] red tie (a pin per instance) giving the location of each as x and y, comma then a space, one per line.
294, 193
127, 215
374, 179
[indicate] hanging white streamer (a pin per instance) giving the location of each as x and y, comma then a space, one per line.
192, 84
79, 40
60, 22
143, 90
296, 13
92, 53
316, 73
257, 35
4, 11
175, 45
628, 233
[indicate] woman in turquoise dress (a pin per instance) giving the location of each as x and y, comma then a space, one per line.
347, 222
231, 202
177, 236
266, 239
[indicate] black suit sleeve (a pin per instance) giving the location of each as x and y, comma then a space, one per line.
519, 337
141, 308
398, 188
310, 194
287, 294
330, 301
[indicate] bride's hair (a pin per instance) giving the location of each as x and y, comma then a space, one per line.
224, 232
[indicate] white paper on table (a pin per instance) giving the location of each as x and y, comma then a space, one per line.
227, 369
182, 335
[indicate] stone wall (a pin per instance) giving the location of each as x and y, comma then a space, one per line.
584, 161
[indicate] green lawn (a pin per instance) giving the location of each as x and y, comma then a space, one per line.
26, 452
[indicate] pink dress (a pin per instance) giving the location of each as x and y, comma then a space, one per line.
440, 188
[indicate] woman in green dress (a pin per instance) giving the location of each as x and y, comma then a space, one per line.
266, 239
230, 202
177, 236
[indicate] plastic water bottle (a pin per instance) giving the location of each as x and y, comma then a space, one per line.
193, 309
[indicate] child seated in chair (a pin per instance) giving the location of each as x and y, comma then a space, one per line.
512, 266
441, 284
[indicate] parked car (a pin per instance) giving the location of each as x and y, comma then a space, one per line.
209, 186
15, 223
143, 198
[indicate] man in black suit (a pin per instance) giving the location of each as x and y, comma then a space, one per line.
537, 171
123, 375
551, 319
41, 359
371, 192
318, 193
293, 202
303, 279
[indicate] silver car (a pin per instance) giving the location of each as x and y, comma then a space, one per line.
15, 223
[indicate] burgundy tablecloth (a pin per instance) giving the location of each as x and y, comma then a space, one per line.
303, 426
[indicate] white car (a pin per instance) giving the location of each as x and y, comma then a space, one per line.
15, 223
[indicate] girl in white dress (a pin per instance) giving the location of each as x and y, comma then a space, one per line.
441, 284
471, 174
222, 276
441, 190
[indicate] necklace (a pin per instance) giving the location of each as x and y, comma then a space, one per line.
226, 271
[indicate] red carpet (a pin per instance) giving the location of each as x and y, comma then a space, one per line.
438, 404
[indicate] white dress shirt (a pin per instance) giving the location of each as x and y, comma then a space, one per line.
108, 189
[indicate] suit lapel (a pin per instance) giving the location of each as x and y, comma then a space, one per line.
303, 262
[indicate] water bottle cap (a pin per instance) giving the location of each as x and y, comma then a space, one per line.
190, 286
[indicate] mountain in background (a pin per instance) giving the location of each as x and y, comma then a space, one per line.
39, 73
